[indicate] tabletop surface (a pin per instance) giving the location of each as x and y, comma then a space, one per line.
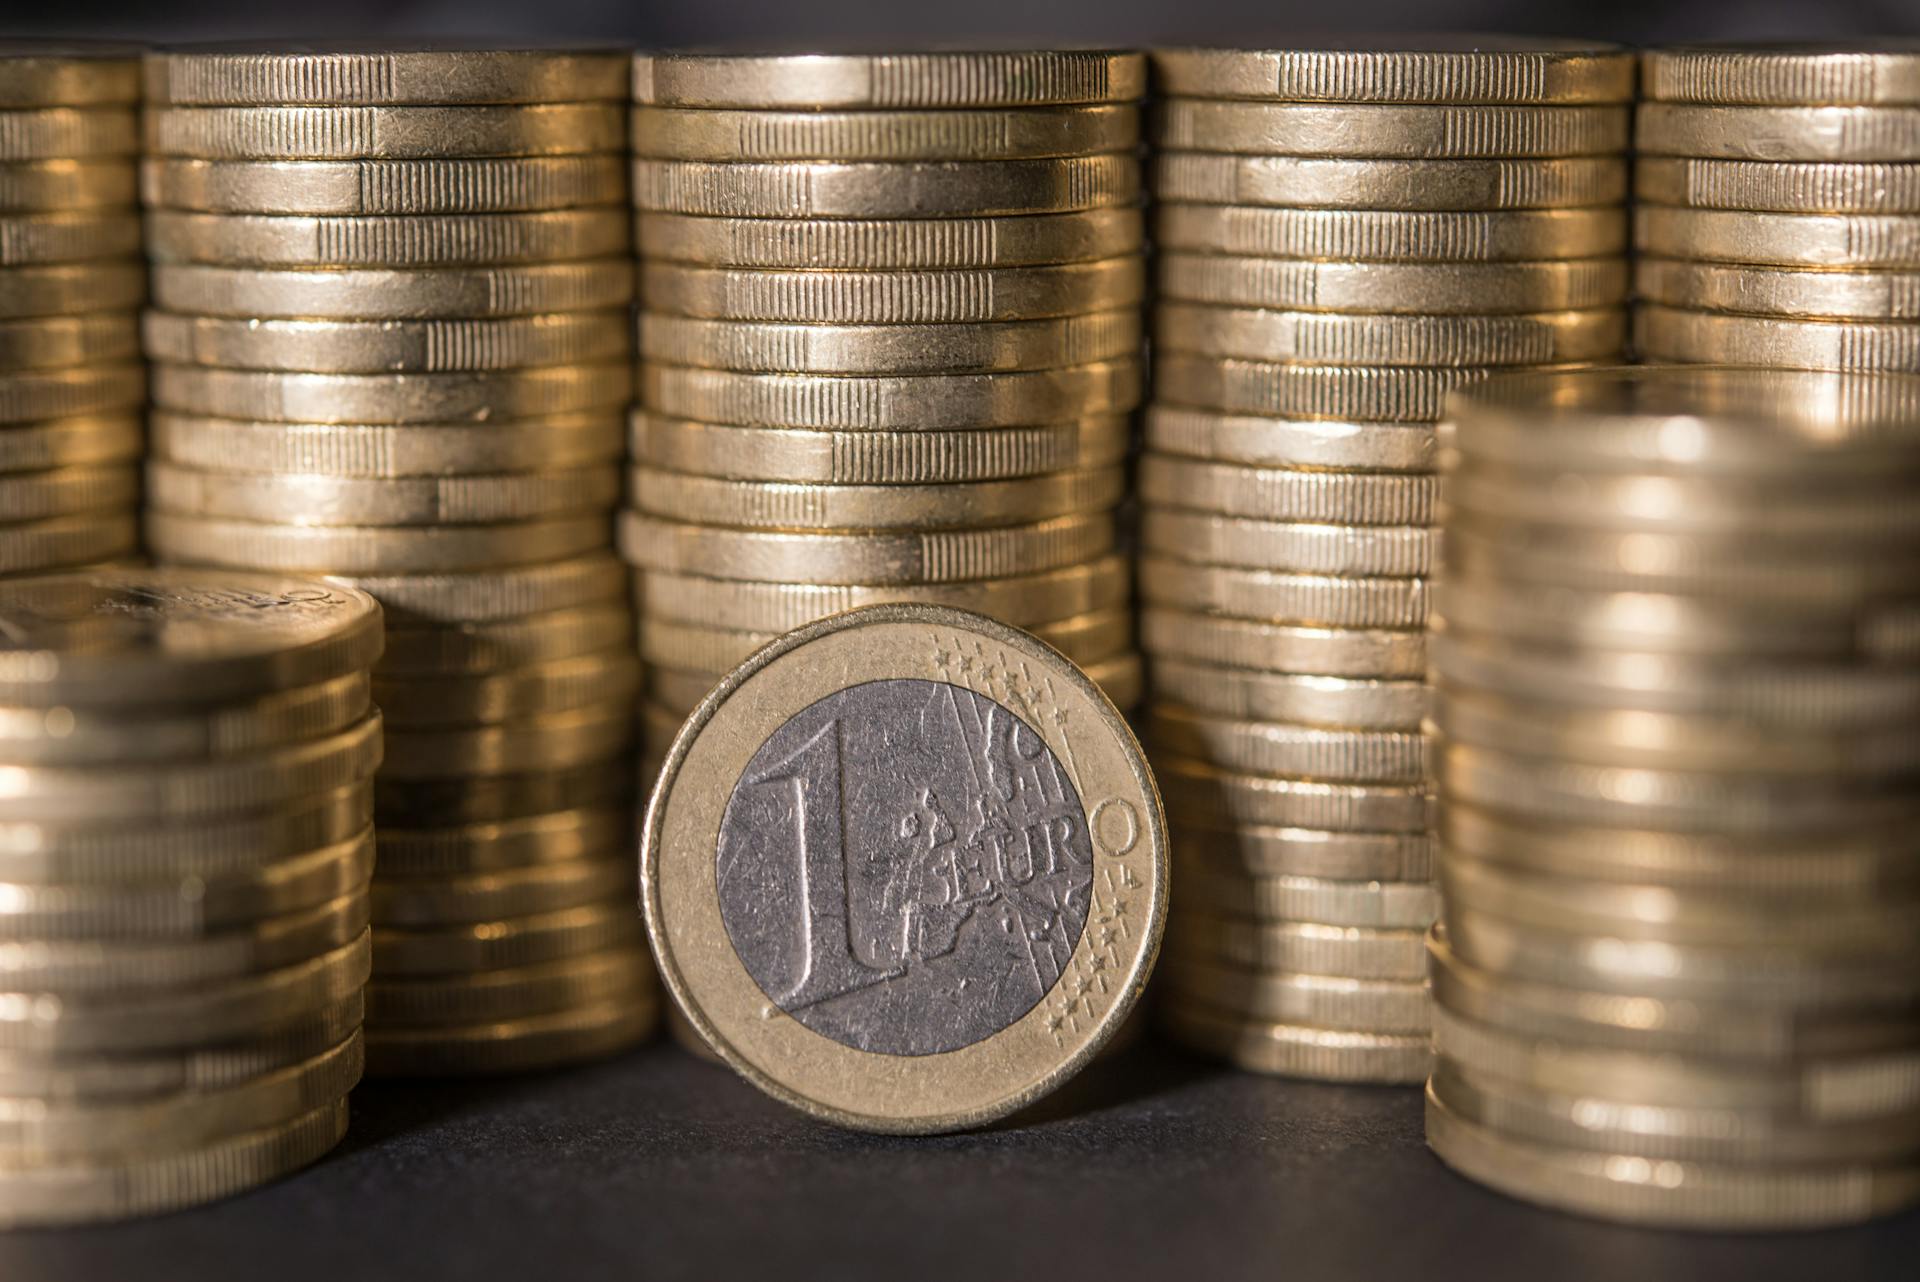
1150, 1166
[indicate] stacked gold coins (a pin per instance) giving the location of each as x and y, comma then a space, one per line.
1676, 683
1778, 206
890, 338
185, 846
71, 281
1345, 232
392, 346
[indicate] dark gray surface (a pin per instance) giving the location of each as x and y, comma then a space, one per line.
1153, 1167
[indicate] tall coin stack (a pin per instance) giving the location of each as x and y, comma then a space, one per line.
185, 845
1345, 231
1676, 683
890, 340
392, 346
71, 281
1777, 206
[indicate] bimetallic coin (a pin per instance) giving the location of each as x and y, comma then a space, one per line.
674, 133
448, 648
454, 397
922, 189
889, 81
1301, 600
73, 392
1284, 749
67, 185
1377, 130
1350, 702
506, 184
1669, 333
1298, 443
1199, 539
1320, 1001
1311, 182
1779, 186
893, 297
1308, 948
503, 592
1198, 792
370, 294
68, 542
498, 798
68, 133
349, 550
515, 892
1445, 289
1391, 235
513, 1045
889, 349
78, 73
1864, 70
883, 1053
1773, 291
1333, 339
442, 73
377, 451
457, 849
60, 289
371, 347
1406, 68
519, 941
65, 491
260, 131
423, 501
43, 342
1298, 1050
1776, 133
852, 244
415, 701
1279, 495
550, 741
422, 240
1379, 393
516, 992
776, 506
1279, 647
27, 239
871, 458
1791, 240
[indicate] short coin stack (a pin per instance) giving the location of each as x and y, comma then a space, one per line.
1778, 206
1345, 232
1676, 683
71, 281
890, 339
392, 346
185, 846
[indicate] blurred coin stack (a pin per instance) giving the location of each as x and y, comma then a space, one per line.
185, 845
71, 281
391, 345
890, 340
1777, 208
1677, 679
1345, 232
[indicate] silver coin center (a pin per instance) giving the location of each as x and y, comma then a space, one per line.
904, 866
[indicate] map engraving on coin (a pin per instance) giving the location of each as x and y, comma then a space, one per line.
905, 867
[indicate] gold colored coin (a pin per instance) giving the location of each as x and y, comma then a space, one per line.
1333, 339
492, 646
29, 239
66, 288
1299, 1050
676, 496
1281, 597
68, 542
892, 81
893, 297
939, 556
1281, 495
951, 244
675, 133
1307, 948
516, 992
927, 402
369, 550
558, 685
1406, 68
45, 342
83, 73
556, 837
244, 75
1380, 393
1347, 702
1778, 186
1669, 333
513, 1045
550, 741
519, 941
873, 458
1111, 840
485, 896
1777, 133
889, 349
1199, 791
497, 798
1391, 235
1848, 241
371, 294
413, 240
329, 501
1320, 1001
67, 185
503, 592
1297, 443
1276, 647
368, 347
72, 392
374, 451
463, 396
801, 189
1384, 130
68, 133
261, 131
1023, 600
1774, 291
1310, 182
1286, 750
507, 184
1190, 539
1448, 289
32, 447
1883, 70
66, 491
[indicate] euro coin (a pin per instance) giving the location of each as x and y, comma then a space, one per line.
1406, 68
889, 81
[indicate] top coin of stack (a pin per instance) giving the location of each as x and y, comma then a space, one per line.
889, 343
1779, 205
1347, 230
71, 281
185, 844
392, 347
1677, 676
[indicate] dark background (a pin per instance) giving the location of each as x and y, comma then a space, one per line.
1039, 21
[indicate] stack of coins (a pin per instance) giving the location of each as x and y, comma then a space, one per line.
71, 279
1778, 214
185, 846
889, 341
1676, 682
1346, 231
392, 346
